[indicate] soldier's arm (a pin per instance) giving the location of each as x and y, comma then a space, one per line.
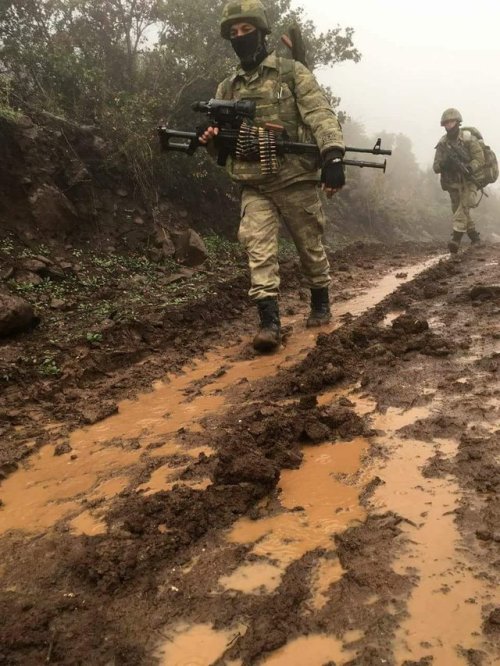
477, 156
438, 159
316, 112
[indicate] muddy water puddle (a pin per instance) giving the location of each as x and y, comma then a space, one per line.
444, 611
253, 578
198, 645
50, 487
315, 650
322, 499
315, 506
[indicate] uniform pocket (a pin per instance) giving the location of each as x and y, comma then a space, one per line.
316, 211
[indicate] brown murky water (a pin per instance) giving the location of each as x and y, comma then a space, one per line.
445, 606
253, 578
315, 650
51, 488
199, 645
316, 505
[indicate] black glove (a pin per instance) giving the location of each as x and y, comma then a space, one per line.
332, 173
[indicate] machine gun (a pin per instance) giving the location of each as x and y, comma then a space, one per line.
457, 158
240, 138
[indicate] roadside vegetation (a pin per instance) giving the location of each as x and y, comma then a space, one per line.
117, 67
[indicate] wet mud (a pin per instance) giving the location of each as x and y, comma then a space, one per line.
334, 503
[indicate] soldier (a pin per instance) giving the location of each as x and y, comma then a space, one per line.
287, 94
459, 159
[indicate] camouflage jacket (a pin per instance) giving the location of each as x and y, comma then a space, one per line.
467, 144
288, 94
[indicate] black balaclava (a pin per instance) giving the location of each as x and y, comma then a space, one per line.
453, 132
251, 49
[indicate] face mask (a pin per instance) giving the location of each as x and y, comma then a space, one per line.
250, 49
453, 132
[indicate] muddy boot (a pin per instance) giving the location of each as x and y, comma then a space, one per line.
474, 236
454, 244
269, 336
320, 308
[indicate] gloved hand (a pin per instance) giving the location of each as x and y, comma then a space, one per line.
332, 172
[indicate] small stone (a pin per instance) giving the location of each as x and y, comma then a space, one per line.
57, 304
63, 448
484, 535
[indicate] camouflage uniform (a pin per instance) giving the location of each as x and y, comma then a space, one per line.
463, 192
286, 93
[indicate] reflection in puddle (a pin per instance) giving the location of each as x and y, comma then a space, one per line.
199, 645
320, 650
253, 578
322, 506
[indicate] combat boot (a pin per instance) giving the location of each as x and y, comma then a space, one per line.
320, 308
474, 236
269, 336
454, 244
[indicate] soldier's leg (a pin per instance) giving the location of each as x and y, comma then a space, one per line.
258, 233
459, 220
302, 213
463, 200
470, 196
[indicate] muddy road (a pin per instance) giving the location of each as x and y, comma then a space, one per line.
334, 503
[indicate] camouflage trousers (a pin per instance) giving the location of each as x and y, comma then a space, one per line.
300, 209
463, 198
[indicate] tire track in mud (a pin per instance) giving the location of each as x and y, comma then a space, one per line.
164, 561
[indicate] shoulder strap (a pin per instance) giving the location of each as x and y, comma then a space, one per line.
286, 72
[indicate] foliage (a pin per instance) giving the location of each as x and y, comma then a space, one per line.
121, 65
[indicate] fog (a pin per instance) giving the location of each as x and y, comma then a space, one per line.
417, 60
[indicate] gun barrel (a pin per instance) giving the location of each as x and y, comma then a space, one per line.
369, 165
371, 151
312, 149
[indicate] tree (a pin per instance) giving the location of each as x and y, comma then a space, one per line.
124, 64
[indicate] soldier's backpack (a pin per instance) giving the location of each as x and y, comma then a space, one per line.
489, 173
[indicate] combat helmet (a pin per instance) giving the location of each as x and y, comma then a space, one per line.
451, 114
237, 11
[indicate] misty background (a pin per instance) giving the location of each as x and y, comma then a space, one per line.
417, 60
95, 77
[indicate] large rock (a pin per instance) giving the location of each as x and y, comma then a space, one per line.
16, 315
190, 249
485, 292
52, 210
